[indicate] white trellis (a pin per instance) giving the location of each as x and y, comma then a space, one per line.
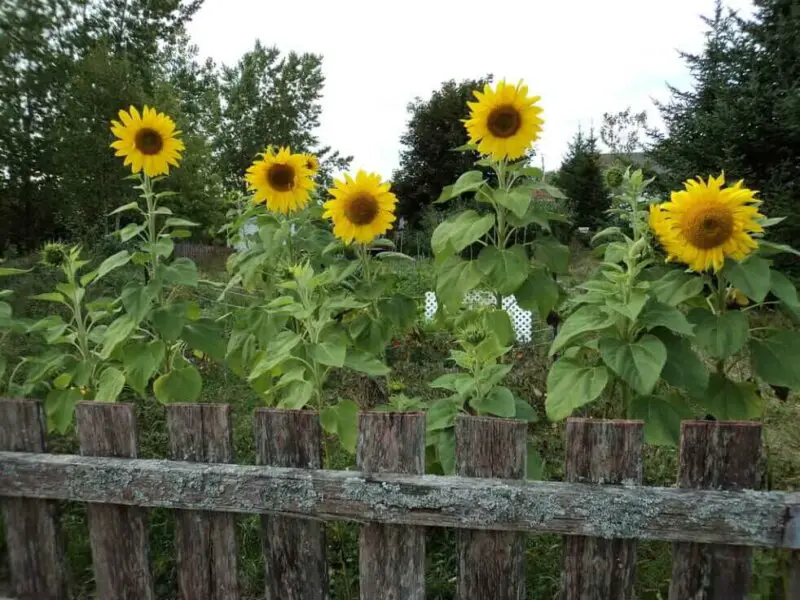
522, 320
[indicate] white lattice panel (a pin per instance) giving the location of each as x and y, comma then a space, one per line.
521, 319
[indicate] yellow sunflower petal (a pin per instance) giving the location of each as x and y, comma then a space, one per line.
281, 180
146, 141
704, 223
362, 208
504, 121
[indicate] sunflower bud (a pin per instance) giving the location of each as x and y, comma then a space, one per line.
473, 335
54, 254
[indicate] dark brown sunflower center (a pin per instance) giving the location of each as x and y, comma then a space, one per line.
362, 209
709, 227
281, 177
504, 121
149, 141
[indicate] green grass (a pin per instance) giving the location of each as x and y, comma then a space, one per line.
418, 359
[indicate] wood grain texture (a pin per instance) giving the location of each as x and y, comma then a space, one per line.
648, 513
33, 535
294, 548
608, 453
205, 542
491, 564
794, 575
716, 455
391, 557
117, 534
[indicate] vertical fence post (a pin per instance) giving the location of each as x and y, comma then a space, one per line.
794, 575
205, 542
608, 452
391, 557
716, 455
33, 537
491, 564
118, 534
294, 548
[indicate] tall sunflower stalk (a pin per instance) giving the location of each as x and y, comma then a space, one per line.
159, 330
362, 210
651, 330
718, 233
502, 124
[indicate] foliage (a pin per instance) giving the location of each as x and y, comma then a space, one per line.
639, 333
78, 362
581, 180
427, 160
741, 114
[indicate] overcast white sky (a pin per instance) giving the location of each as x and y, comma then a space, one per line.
583, 57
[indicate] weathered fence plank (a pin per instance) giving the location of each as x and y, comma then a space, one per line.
716, 455
117, 533
491, 564
33, 536
602, 452
794, 575
648, 513
205, 542
391, 557
294, 548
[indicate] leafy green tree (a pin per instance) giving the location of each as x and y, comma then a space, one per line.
269, 97
427, 161
32, 79
581, 180
624, 132
66, 68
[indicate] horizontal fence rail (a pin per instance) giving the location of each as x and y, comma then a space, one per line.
714, 517
748, 518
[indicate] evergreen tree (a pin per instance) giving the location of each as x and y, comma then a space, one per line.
742, 114
427, 160
581, 180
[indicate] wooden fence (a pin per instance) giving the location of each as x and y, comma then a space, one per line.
713, 516
205, 255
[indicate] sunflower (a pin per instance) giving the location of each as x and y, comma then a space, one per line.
504, 122
280, 179
361, 209
312, 163
147, 141
704, 223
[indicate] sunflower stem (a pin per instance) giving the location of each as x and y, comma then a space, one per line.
147, 190
364, 253
289, 241
83, 338
722, 294
501, 239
